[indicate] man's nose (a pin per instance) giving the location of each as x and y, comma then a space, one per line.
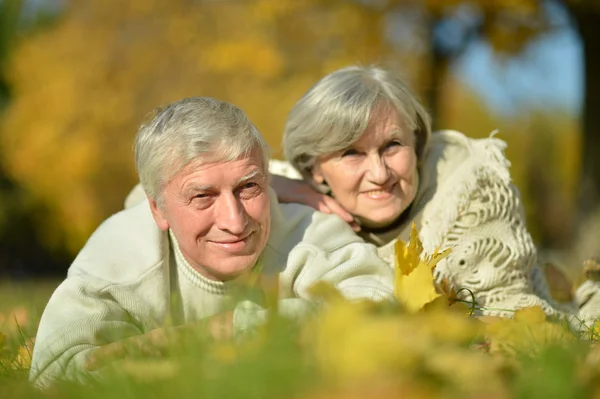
230, 214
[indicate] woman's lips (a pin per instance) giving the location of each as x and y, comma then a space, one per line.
380, 193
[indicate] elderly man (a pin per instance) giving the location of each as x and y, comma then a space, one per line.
209, 221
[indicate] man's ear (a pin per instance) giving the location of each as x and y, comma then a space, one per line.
158, 215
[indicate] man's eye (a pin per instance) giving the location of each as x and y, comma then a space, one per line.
249, 190
200, 196
250, 185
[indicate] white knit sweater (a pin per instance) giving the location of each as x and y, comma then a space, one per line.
131, 278
466, 202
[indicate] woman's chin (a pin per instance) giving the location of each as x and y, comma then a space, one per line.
379, 221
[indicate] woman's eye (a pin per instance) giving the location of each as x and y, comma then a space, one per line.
349, 153
394, 143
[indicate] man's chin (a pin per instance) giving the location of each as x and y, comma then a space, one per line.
230, 269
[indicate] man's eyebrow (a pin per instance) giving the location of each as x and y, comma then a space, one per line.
251, 175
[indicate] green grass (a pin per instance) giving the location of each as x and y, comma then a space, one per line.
281, 363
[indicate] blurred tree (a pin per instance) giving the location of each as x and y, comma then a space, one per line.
586, 16
509, 26
82, 87
447, 28
21, 251
10, 11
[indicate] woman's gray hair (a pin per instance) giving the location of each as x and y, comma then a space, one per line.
189, 130
335, 113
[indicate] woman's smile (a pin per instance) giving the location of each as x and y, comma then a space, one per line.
379, 194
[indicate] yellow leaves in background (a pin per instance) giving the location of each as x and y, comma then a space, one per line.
14, 320
414, 285
245, 56
12, 325
528, 332
359, 344
82, 85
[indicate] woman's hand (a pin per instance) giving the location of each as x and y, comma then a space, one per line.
298, 191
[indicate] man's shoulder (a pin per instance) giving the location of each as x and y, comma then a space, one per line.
304, 225
125, 247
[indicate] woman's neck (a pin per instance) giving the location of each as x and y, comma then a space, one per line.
382, 235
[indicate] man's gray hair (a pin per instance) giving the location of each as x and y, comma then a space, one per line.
188, 130
335, 113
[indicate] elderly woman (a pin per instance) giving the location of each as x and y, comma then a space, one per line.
175, 259
362, 145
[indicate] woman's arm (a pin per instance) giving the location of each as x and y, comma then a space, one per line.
286, 182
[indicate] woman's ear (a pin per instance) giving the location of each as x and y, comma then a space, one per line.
317, 176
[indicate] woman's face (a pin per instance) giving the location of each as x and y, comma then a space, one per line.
376, 178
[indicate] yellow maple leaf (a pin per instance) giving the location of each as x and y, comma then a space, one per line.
414, 285
416, 289
408, 257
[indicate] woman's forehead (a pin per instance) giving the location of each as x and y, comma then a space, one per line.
383, 126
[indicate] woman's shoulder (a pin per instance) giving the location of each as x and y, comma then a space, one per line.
454, 172
453, 155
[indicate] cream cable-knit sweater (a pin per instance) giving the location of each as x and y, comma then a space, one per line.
131, 278
466, 202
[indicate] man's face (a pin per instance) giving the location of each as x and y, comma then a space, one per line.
220, 214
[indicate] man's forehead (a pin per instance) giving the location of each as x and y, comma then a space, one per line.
221, 173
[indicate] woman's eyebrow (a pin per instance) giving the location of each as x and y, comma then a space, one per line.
401, 134
397, 133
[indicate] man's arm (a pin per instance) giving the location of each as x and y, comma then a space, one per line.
79, 318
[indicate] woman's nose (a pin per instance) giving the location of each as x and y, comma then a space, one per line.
378, 171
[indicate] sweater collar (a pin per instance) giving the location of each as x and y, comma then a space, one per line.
208, 285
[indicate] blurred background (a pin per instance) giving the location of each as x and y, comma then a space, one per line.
77, 78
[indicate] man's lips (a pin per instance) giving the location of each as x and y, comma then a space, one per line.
233, 244
230, 241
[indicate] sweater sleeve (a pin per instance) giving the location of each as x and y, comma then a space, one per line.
283, 168
493, 255
135, 196
78, 318
331, 252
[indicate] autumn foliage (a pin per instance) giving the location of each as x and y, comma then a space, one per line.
429, 344
81, 85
